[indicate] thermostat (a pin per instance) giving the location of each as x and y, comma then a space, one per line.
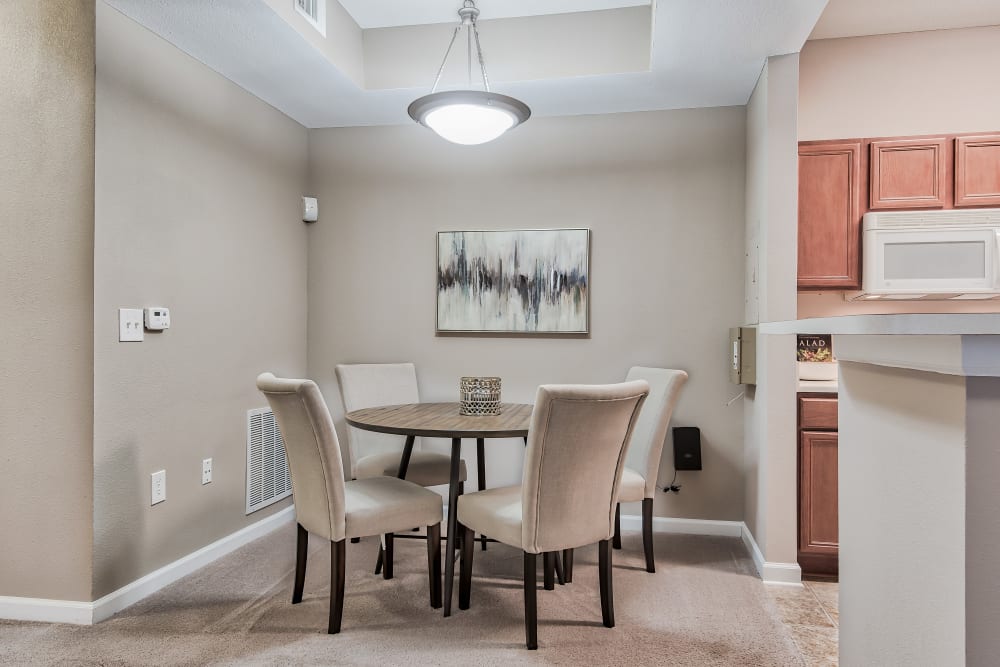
157, 318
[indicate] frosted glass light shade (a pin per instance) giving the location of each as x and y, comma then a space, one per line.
469, 124
469, 117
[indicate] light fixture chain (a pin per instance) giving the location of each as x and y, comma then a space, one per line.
444, 62
482, 61
469, 49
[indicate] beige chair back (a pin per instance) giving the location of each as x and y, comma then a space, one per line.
651, 428
313, 453
373, 385
573, 464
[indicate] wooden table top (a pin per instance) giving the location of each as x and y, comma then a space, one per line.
442, 420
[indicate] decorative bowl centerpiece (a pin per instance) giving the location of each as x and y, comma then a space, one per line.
479, 396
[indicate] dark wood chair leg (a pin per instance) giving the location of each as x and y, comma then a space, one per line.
560, 576
549, 563
465, 573
387, 558
434, 563
301, 551
607, 594
530, 601
618, 527
568, 565
404, 464
481, 461
338, 555
647, 533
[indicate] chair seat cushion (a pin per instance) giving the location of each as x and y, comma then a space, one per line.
388, 505
633, 488
494, 512
425, 469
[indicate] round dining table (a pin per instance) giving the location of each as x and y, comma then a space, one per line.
444, 420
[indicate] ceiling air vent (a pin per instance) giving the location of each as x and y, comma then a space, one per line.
315, 13
268, 480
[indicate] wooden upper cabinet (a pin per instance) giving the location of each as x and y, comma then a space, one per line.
909, 173
830, 184
977, 170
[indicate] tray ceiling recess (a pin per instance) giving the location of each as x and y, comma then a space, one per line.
561, 57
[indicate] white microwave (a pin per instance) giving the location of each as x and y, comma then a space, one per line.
951, 254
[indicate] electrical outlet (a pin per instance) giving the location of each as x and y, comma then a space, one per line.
206, 471
158, 489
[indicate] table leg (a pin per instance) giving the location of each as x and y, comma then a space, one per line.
452, 539
481, 460
404, 462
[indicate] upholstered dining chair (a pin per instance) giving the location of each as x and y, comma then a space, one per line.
573, 466
377, 454
333, 509
642, 465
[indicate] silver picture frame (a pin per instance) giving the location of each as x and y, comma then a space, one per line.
518, 282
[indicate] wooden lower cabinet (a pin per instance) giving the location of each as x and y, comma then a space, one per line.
818, 520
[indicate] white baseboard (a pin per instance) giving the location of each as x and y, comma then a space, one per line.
685, 526
87, 613
127, 595
48, 611
789, 574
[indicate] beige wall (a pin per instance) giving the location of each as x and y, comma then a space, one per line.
942, 81
663, 195
895, 85
46, 297
769, 457
197, 208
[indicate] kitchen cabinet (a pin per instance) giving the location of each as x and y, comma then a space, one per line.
977, 170
830, 184
909, 173
818, 528
841, 180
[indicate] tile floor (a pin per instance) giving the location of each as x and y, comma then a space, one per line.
811, 616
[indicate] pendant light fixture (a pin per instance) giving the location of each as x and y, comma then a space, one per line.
470, 116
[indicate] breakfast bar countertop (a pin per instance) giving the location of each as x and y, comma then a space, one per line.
940, 324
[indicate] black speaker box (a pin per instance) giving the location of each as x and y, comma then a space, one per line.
687, 448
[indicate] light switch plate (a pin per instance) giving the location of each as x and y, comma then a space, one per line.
158, 487
130, 325
206, 471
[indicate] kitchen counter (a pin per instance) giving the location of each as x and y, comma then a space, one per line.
881, 325
918, 414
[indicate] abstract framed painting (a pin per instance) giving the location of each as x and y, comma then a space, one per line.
526, 281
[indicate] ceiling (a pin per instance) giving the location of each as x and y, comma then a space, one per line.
854, 18
394, 13
695, 53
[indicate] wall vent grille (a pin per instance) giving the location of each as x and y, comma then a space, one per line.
315, 13
268, 480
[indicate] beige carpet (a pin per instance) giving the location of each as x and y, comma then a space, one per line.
702, 607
